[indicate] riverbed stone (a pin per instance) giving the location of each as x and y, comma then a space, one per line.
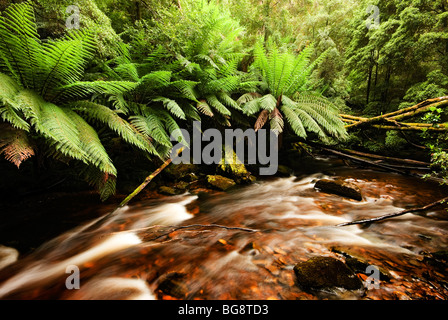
168, 191
324, 273
180, 171
173, 284
220, 182
284, 171
340, 187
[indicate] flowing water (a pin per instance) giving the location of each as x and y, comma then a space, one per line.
139, 253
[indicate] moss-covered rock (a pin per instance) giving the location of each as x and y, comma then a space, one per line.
220, 182
180, 171
284, 171
169, 191
230, 166
324, 273
340, 187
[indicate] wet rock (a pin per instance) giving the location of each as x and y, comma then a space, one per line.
190, 177
181, 185
180, 171
284, 171
168, 191
173, 285
359, 264
339, 187
324, 273
231, 167
438, 259
220, 182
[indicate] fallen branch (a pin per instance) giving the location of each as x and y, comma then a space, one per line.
409, 128
399, 114
371, 163
147, 180
135, 192
392, 215
397, 160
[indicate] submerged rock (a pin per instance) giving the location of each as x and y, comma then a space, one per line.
220, 182
173, 285
339, 187
438, 259
324, 273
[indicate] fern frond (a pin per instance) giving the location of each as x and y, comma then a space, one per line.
186, 88
14, 144
102, 114
261, 120
91, 144
276, 122
103, 182
172, 107
155, 79
252, 107
20, 46
268, 102
64, 61
9, 108
61, 131
213, 101
227, 100
204, 108
151, 126
83, 89
294, 121
248, 97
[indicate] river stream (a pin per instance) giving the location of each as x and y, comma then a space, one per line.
243, 244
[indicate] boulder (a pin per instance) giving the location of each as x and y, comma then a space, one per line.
173, 284
220, 182
340, 187
284, 171
169, 191
180, 171
231, 167
325, 273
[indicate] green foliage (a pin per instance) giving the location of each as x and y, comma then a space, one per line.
284, 83
404, 58
52, 16
41, 89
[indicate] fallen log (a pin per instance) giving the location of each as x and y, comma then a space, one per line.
413, 128
399, 114
392, 215
371, 163
397, 160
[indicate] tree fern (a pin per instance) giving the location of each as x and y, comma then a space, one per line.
42, 96
284, 78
